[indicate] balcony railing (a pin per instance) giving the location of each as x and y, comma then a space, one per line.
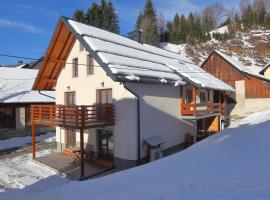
195, 109
75, 117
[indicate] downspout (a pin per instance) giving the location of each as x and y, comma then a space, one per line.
138, 123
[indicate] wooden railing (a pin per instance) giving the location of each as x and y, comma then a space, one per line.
194, 109
75, 117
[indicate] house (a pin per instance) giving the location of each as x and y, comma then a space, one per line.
16, 97
122, 100
252, 89
266, 71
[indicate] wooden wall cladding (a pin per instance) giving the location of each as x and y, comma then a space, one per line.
223, 70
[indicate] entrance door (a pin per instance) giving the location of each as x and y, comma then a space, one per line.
105, 144
70, 133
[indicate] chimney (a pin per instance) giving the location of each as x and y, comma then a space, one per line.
136, 35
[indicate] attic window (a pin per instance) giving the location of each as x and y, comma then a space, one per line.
81, 47
90, 65
75, 67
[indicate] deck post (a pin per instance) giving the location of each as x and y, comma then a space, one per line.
82, 140
33, 133
195, 131
194, 100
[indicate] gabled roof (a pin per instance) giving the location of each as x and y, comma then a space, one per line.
254, 71
126, 60
16, 84
264, 69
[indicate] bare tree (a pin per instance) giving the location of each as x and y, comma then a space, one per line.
212, 15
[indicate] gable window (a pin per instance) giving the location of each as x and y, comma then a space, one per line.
90, 65
75, 67
81, 47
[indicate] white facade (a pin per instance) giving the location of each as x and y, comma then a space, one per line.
159, 108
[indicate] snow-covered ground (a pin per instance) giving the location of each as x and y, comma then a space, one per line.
20, 171
221, 30
231, 165
22, 141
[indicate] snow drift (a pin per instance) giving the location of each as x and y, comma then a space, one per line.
231, 165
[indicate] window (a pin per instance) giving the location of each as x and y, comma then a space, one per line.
189, 96
81, 47
75, 67
90, 65
203, 97
266, 84
104, 96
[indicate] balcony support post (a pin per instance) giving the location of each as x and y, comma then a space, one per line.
194, 91
82, 140
33, 133
195, 131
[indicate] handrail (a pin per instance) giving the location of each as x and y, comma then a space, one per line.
73, 116
189, 109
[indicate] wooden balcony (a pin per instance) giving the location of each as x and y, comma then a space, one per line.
74, 117
195, 109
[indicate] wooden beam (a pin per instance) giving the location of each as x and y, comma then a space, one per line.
194, 92
82, 140
33, 133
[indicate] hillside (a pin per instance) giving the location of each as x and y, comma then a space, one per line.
250, 48
228, 165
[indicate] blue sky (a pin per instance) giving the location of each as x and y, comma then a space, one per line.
26, 26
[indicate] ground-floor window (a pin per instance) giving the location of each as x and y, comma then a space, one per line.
7, 117
105, 144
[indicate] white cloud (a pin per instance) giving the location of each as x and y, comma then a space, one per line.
39, 10
20, 25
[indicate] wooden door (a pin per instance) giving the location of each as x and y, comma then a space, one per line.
70, 133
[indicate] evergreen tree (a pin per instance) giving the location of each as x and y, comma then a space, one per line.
92, 16
148, 23
139, 21
101, 16
79, 16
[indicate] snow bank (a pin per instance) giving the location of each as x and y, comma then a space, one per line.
22, 141
231, 165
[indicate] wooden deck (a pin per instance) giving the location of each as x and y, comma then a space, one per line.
64, 164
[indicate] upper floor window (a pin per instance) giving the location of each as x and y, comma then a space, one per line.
81, 47
75, 67
104, 96
90, 65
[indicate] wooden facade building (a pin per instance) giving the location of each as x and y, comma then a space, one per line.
230, 71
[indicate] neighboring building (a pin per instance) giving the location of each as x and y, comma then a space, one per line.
16, 97
35, 64
124, 101
251, 88
20, 64
266, 71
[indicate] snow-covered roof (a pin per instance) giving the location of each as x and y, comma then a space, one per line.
264, 68
128, 60
16, 85
254, 71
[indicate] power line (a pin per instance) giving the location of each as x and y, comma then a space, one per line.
64, 62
